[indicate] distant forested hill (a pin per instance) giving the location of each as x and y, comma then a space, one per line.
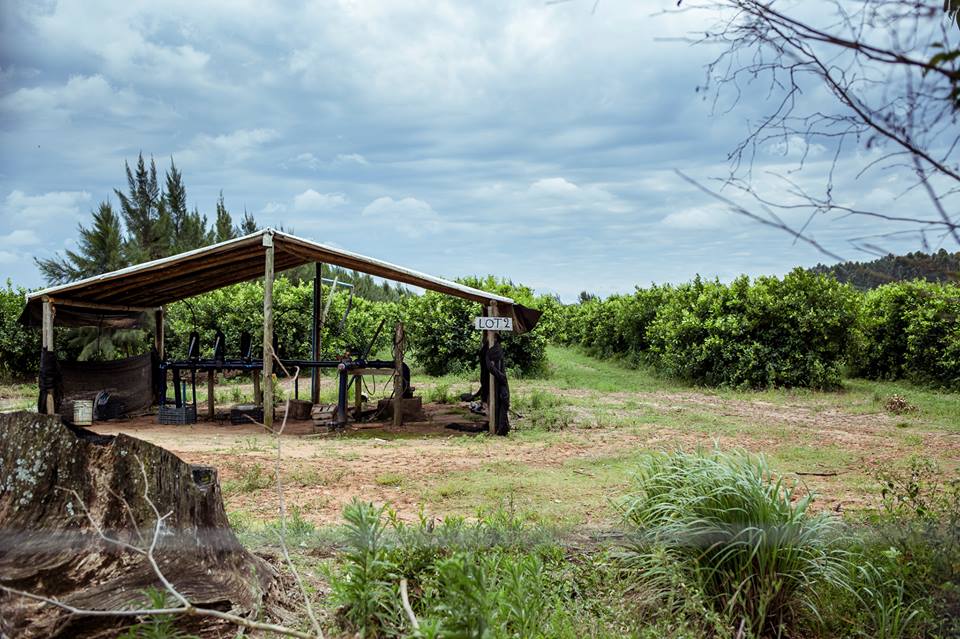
936, 267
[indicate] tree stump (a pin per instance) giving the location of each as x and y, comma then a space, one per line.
49, 547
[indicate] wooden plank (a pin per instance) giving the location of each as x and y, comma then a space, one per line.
315, 335
211, 393
62, 301
398, 386
268, 332
358, 396
197, 282
165, 288
492, 400
47, 340
158, 332
361, 266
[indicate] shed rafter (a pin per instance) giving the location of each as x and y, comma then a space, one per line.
170, 279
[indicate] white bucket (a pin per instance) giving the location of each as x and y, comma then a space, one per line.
83, 412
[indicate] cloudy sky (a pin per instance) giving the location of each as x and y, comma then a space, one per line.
523, 138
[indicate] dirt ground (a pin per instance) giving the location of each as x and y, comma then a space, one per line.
830, 450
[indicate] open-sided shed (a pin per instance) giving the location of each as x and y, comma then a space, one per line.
119, 297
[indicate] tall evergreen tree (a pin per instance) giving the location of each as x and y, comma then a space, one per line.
175, 201
248, 225
194, 233
100, 250
223, 226
148, 223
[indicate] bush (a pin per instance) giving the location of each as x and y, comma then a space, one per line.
791, 332
19, 346
496, 577
239, 308
733, 536
441, 336
918, 541
911, 330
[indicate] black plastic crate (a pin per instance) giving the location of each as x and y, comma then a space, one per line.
177, 415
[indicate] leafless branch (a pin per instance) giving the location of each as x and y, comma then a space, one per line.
878, 60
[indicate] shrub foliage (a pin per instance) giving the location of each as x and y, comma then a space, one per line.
802, 330
442, 338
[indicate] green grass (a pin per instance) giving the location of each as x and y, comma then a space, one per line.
569, 368
17, 396
811, 458
566, 495
389, 480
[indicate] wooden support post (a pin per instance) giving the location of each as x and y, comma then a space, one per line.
268, 331
358, 397
492, 399
211, 393
398, 386
158, 333
47, 342
315, 335
257, 393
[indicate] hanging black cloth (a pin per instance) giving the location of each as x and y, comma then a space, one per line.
484, 373
50, 379
158, 376
501, 389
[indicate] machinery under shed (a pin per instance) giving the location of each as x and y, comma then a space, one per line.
123, 298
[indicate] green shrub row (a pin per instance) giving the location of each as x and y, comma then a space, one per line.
911, 330
439, 328
19, 346
802, 330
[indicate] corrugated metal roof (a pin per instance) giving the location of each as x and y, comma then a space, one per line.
169, 279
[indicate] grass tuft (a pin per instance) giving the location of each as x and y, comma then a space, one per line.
735, 534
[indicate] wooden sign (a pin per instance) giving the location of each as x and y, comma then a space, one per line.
493, 323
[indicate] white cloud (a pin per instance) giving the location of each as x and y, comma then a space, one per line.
306, 160
80, 95
20, 237
56, 206
795, 147
413, 217
272, 208
311, 200
227, 147
708, 217
559, 194
554, 187
9, 257
351, 158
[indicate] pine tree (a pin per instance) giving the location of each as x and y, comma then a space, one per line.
100, 250
223, 225
175, 201
148, 223
194, 233
188, 229
248, 225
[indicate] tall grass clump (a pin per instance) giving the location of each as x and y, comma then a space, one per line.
498, 577
722, 529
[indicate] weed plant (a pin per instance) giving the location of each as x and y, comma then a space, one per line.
726, 530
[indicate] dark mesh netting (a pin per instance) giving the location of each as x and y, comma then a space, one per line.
127, 381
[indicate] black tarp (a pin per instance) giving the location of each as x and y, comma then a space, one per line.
128, 381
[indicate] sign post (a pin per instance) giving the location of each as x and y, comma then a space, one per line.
489, 324
493, 323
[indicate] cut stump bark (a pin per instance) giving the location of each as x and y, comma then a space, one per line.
49, 547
